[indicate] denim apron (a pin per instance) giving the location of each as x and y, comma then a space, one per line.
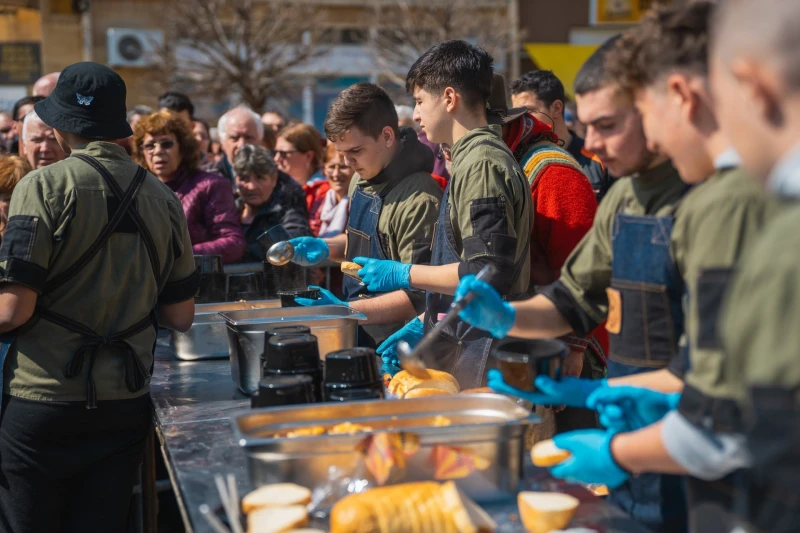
136, 375
645, 321
461, 350
364, 240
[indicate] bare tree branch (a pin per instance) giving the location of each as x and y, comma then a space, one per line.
406, 29
218, 48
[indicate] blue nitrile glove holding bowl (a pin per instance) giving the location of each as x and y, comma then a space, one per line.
629, 408
382, 275
487, 310
411, 333
572, 392
309, 251
326, 298
591, 461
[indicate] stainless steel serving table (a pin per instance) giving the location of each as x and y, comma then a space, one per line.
193, 401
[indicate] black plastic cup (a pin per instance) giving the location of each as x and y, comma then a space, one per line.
333, 394
274, 391
211, 288
353, 366
247, 286
273, 235
521, 361
280, 331
287, 297
292, 355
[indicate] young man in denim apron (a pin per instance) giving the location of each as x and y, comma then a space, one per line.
755, 76
394, 203
96, 254
621, 271
664, 61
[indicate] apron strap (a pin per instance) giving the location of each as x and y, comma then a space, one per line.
124, 206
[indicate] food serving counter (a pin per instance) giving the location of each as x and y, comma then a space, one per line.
193, 402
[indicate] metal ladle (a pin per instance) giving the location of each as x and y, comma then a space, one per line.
280, 253
411, 360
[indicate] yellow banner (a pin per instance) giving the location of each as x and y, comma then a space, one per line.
565, 60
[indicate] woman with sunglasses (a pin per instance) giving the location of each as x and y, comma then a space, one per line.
163, 143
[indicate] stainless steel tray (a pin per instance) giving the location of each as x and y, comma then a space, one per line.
489, 426
335, 327
207, 338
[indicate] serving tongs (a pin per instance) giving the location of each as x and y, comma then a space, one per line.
411, 360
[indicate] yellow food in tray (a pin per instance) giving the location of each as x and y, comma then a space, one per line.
348, 428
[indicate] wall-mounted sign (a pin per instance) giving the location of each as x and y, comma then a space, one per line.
20, 63
621, 11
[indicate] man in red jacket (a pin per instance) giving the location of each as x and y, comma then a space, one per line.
564, 206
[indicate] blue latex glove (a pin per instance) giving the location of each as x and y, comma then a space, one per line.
381, 275
572, 392
309, 250
630, 408
326, 298
591, 460
487, 310
411, 333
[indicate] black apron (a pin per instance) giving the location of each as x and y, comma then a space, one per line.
460, 349
136, 375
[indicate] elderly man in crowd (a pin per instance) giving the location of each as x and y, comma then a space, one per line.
39, 145
236, 128
45, 85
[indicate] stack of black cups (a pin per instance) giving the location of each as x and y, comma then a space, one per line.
289, 352
353, 374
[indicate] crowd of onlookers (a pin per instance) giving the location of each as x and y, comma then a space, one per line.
235, 180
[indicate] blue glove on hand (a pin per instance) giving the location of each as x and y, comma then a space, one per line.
591, 460
309, 250
326, 298
629, 408
572, 392
411, 333
487, 310
381, 275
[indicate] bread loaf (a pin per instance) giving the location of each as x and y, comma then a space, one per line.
403, 383
275, 495
542, 512
351, 269
547, 454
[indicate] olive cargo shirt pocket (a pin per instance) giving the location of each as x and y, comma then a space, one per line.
17, 253
711, 287
490, 231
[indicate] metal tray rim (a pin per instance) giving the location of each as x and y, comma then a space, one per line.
336, 310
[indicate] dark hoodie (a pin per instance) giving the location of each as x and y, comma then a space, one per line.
410, 202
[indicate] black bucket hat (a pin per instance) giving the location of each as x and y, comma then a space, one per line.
497, 111
89, 100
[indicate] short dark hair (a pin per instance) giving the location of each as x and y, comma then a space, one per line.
25, 100
363, 105
593, 74
668, 39
457, 64
176, 101
543, 83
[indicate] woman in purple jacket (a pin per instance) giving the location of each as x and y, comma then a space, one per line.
164, 145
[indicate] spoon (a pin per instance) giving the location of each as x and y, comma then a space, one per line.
280, 253
411, 360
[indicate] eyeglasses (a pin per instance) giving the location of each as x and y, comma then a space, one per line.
285, 153
165, 145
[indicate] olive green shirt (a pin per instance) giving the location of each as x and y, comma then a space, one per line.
580, 292
490, 209
760, 320
56, 213
715, 223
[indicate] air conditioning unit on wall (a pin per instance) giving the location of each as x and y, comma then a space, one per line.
128, 47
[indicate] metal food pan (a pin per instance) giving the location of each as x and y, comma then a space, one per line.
207, 338
335, 327
488, 426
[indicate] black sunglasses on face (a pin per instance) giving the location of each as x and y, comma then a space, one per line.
165, 145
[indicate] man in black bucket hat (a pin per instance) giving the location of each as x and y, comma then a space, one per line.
96, 253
